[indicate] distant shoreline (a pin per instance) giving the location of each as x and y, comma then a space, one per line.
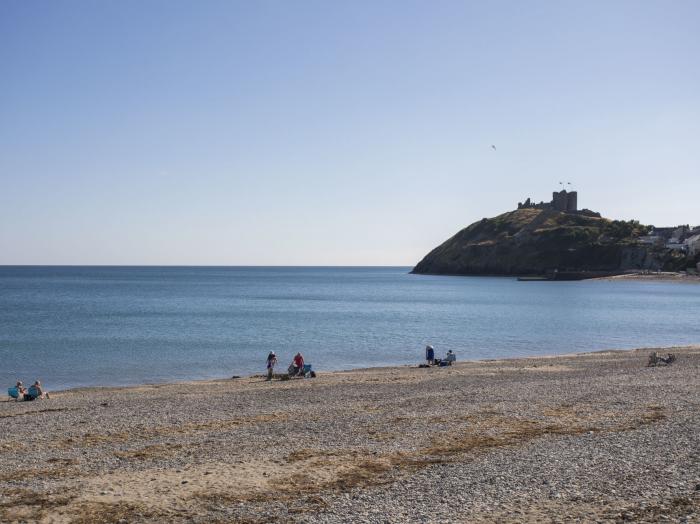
656, 277
361, 369
664, 276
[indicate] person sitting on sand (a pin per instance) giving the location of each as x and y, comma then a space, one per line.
21, 390
35, 392
297, 365
271, 361
450, 357
18, 392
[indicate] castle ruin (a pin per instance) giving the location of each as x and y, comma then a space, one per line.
564, 201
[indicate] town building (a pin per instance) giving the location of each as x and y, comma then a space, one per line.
693, 244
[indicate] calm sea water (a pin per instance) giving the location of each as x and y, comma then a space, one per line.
79, 326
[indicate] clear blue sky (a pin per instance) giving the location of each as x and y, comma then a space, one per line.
169, 132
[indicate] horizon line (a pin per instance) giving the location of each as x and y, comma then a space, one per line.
207, 265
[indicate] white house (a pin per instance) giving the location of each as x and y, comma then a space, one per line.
693, 244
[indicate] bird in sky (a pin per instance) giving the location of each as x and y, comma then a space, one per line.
493, 147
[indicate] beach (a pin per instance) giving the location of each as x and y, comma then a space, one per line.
592, 437
665, 276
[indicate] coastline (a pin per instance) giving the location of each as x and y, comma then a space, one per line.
663, 276
656, 277
360, 369
162, 339
587, 436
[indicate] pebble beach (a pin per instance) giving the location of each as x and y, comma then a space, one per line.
594, 437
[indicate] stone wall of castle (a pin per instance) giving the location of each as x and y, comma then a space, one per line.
564, 201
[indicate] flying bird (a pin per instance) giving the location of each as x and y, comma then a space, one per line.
493, 147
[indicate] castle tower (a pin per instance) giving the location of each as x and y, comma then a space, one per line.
560, 202
572, 201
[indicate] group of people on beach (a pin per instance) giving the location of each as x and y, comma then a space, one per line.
296, 368
450, 357
33, 392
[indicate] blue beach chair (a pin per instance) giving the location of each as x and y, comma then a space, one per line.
13, 392
307, 368
33, 393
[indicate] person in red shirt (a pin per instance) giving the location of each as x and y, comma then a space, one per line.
298, 363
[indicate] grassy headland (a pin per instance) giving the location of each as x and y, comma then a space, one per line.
536, 241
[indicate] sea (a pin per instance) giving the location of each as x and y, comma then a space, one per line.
113, 326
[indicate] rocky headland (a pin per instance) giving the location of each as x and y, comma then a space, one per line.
542, 240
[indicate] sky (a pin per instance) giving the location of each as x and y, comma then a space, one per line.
333, 133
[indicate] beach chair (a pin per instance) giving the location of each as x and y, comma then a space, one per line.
307, 368
13, 393
33, 393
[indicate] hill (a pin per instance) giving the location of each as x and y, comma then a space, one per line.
531, 241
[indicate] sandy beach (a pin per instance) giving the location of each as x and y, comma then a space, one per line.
595, 437
665, 276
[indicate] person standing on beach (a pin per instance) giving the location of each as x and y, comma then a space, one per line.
271, 361
430, 355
